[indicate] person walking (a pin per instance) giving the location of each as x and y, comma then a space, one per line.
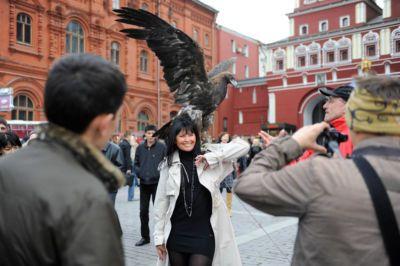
227, 183
192, 225
148, 156
55, 208
131, 189
113, 153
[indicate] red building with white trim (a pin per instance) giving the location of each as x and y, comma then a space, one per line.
329, 40
241, 111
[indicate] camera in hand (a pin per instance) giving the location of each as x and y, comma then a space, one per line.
330, 139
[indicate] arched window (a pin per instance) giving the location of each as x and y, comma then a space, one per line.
279, 60
396, 42
24, 28
314, 54
344, 21
144, 61
344, 50
23, 108
115, 50
233, 46
225, 124
142, 120
246, 72
240, 118
195, 34
75, 38
145, 7
323, 26
254, 96
303, 29
206, 40
300, 53
370, 45
329, 52
246, 50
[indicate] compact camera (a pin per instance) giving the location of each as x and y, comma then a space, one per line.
330, 139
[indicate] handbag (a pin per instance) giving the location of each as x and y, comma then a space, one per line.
129, 179
383, 209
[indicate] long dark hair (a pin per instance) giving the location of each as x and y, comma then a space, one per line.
183, 122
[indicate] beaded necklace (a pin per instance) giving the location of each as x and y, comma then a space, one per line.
188, 206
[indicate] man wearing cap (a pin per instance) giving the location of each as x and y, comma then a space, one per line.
334, 107
338, 224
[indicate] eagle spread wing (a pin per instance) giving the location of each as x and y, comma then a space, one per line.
180, 56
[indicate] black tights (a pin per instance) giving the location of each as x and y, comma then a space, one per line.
188, 259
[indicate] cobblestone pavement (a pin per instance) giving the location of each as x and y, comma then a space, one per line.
262, 239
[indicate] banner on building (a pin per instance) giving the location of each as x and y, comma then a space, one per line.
6, 99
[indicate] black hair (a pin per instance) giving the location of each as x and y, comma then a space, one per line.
9, 139
222, 134
150, 127
182, 122
80, 87
3, 121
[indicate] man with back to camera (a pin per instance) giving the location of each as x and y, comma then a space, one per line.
55, 207
335, 107
337, 220
148, 156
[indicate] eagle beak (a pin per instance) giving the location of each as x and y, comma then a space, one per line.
233, 82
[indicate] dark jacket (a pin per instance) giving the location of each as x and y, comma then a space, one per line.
126, 152
56, 211
114, 153
147, 160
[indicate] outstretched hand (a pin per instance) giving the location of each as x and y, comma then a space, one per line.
201, 159
306, 136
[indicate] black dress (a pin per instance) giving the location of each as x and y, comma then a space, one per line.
192, 234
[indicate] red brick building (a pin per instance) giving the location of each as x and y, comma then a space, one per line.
36, 32
328, 43
243, 108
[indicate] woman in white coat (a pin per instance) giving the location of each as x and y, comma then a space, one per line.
192, 225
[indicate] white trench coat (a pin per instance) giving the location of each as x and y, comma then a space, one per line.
220, 165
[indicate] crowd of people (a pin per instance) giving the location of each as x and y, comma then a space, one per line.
58, 191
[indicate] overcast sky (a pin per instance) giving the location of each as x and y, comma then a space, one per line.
264, 20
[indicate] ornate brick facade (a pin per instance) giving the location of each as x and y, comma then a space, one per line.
25, 59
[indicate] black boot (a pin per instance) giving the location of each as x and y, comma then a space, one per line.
142, 241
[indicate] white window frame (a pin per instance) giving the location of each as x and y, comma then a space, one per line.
334, 75
329, 46
312, 49
246, 71
279, 54
317, 79
300, 29
342, 44
371, 38
234, 68
284, 82
327, 25
254, 96
395, 36
341, 21
233, 46
387, 68
300, 51
240, 117
246, 50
